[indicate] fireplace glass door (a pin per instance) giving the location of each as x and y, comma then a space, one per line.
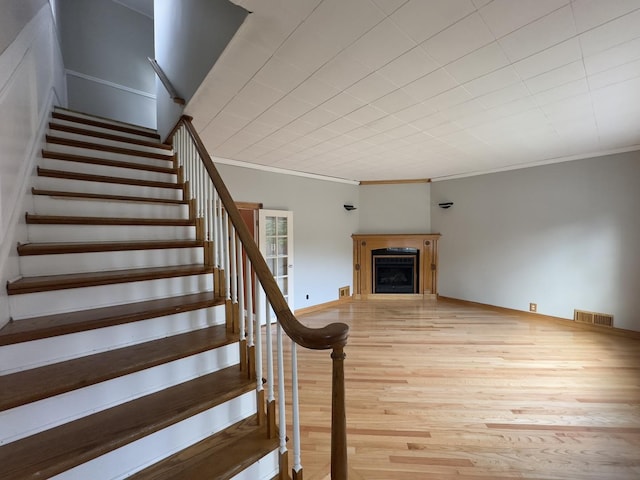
395, 270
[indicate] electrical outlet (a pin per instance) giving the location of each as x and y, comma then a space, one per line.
307, 296
533, 307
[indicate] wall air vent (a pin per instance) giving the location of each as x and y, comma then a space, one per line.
593, 318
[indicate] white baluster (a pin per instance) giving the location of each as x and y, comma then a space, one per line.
216, 200
295, 410
233, 264
249, 299
282, 418
260, 312
241, 303
209, 213
269, 341
220, 232
226, 255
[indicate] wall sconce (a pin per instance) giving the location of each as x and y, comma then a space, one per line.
348, 207
445, 205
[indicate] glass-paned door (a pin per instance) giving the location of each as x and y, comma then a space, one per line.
275, 229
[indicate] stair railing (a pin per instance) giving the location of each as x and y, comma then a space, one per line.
253, 298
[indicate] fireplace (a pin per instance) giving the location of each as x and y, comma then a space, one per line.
395, 270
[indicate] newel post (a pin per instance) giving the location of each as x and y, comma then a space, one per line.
338, 417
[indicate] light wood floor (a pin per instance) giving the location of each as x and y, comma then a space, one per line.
439, 390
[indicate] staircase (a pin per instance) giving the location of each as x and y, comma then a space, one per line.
119, 361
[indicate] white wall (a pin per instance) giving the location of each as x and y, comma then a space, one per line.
105, 47
563, 236
395, 208
189, 38
322, 227
31, 80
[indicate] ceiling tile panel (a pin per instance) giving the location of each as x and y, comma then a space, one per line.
381, 45
549, 59
314, 91
409, 67
394, 102
589, 14
539, 35
557, 77
477, 63
505, 95
566, 90
343, 22
613, 57
343, 103
506, 16
280, 75
371, 88
615, 75
291, 106
430, 85
414, 112
493, 81
389, 6
459, 39
366, 114
610, 34
449, 99
421, 20
307, 51
342, 71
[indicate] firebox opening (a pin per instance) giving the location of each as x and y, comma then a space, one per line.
395, 270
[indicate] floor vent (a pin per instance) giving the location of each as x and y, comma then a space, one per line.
593, 318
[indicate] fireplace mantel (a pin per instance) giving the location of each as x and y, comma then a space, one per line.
425, 243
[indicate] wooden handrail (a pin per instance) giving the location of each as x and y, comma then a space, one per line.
166, 82
333, 336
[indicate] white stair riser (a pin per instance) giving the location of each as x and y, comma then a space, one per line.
37, 353
103, 188
122, 157
123, 462
111, 131
108, 171
61, 264
83, 207
266, 468
105, 141
80, 116
51, 412
69, 300
107, 233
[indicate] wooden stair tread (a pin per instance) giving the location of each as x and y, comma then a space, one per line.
86, 177
77, 280
51, 139
62, 248
222, 455
53, 451
35, 384
99, 196
34, 219
126, 128
68, 157
107, 136
47, 326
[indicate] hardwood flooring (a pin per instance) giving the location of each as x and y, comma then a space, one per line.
439, 390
